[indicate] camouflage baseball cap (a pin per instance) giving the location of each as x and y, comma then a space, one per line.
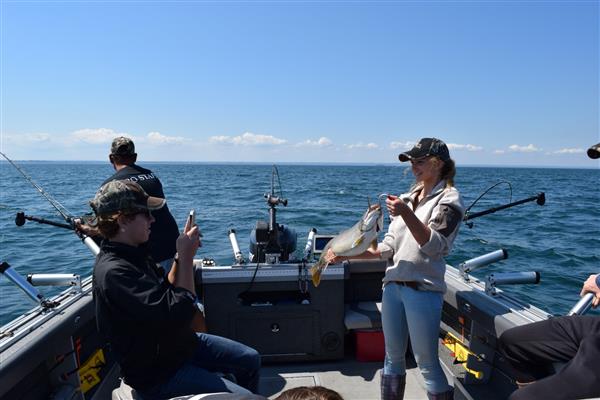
427, 147
122, 146
123, 195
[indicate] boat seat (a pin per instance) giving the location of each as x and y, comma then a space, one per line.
363, 315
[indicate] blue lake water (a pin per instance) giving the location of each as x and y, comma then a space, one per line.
560, 239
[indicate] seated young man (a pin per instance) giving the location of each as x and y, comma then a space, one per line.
151, 319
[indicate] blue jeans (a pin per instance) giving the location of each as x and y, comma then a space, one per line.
213, 355
406, 311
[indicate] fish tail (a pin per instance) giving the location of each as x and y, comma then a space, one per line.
316, 271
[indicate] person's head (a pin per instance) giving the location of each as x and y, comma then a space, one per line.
122, 151
122, 210
431, 162
594, 151
309, 393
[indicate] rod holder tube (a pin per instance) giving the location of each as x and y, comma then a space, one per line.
483, 260
237, 254
583, 305
54, 279
21, 283
309, 243
510, 278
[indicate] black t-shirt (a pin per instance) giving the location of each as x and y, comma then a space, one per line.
146, 320
164, 231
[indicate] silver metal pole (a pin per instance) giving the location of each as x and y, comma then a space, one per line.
583, 305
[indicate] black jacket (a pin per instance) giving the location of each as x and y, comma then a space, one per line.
164, 231
145, 318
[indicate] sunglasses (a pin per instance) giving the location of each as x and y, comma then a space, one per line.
420, 161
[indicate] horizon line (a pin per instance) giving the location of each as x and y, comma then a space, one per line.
315, 163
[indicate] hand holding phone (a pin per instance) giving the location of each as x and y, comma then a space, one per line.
192, 221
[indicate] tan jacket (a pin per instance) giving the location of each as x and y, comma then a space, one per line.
442, 211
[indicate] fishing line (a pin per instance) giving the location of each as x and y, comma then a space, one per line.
59, 207
487, 190
274, 172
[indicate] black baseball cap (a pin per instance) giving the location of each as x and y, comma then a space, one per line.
426, 147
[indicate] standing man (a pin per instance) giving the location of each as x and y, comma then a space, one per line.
164, 230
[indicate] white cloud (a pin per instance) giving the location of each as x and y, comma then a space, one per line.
568, 151
159, 138
499, 151
361, 145
322, 142
97, 136
402, 145
27, 138
467, 147
530, 148
247, 139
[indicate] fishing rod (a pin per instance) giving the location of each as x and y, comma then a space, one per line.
540, 199
59, 207
88, 241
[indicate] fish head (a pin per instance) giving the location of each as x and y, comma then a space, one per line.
373, 218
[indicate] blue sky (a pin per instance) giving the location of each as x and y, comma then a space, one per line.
502, 82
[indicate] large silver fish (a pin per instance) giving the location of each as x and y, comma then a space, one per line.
353, 241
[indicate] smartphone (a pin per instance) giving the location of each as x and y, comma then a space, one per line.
192, 218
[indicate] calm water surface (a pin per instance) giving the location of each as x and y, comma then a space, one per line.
560, 239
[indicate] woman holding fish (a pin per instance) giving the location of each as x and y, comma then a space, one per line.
425, 222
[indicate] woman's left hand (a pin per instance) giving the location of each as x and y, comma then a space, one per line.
332, 258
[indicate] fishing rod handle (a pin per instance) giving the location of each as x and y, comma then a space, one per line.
583, 305
309, 243
91, 244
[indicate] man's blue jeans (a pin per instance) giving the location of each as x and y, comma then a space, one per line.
406, 311
213, 355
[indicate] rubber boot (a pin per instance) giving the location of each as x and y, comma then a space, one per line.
392, 386
447, 395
